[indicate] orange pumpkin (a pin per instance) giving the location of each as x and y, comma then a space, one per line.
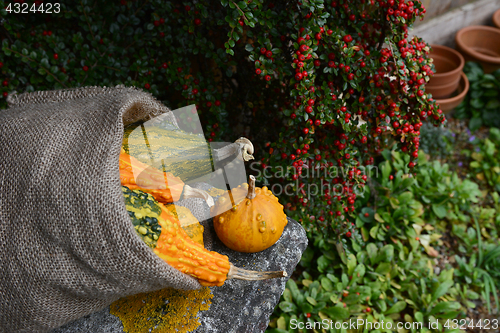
249, 219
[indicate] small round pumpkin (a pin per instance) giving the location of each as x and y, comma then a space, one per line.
249, 219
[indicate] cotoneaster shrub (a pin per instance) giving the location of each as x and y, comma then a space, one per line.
311, 83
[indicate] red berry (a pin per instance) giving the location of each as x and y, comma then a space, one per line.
367, 214
56, 56
258, 71
411, 164
317, 63
164, 65
147, 86
348, 234
269, 54
268, 77
85, 68
1, 64
329, 31
217, 103
347, 38
5, 94
263, 50
308, 315
420, 93
304, 48
298, 76
293, 116
197, 21
5, 83
309, 109
305, 130
310, 102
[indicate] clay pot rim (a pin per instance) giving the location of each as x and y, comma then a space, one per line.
463, 78
454, 52
496, 18
468, 50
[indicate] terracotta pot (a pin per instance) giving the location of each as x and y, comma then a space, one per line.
449, 64
480, 44
448, 104
496, 19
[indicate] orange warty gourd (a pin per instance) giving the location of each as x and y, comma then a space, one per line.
164, 186
249, 219
188, 222
181, 252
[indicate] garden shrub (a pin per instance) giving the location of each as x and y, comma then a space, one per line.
311, 82
390, 268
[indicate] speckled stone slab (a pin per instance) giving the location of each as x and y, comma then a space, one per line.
238, 306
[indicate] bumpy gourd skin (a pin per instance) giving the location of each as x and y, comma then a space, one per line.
178, 249
144, 212
164, 186
188, 222
249, 225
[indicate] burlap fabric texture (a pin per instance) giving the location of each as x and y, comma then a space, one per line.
67, 246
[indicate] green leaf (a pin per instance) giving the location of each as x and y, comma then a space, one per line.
326, 284
351, 264
439, 210
441, 290
288, 307
336, 313
249, 48
396, 308
445, 307
311, 300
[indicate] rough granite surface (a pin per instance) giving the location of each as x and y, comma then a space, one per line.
238, 306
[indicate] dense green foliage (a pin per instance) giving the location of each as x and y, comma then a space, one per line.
483, 99
394, 268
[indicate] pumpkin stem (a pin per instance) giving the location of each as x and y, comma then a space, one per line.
251, 188
243, 274
190, 192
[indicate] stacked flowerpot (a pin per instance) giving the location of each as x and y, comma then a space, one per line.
481, 44
449, 84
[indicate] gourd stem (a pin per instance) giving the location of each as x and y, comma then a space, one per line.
190, 192
243, 274
251, 188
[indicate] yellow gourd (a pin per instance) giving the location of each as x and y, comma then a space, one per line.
249, 219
